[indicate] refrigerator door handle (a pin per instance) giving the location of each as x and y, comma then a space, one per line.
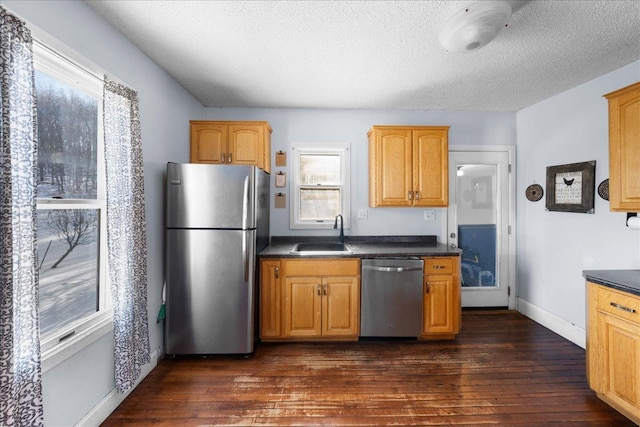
245, 257
245, 204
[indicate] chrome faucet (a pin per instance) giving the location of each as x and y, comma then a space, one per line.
335, 226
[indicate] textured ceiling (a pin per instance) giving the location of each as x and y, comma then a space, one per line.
375, 54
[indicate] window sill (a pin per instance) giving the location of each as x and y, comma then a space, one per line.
63, 351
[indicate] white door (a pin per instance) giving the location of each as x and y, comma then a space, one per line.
479, 222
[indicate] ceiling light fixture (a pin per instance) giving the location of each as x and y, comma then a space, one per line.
474, 26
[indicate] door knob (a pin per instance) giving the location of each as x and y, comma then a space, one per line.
453, 245
452, 235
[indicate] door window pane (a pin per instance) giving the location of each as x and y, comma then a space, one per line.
477, 212
67, 140
68, 266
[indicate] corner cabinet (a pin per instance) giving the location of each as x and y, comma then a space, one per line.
408, 166
624, 149
319, 299
235, 143
613, 348
441, 306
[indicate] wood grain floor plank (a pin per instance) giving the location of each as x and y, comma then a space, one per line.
502, 370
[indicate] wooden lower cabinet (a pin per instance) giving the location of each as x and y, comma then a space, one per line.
320, 299
613, 348
270, 298
321, 307
441, 306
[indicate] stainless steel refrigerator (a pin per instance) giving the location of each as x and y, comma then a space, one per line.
217, 220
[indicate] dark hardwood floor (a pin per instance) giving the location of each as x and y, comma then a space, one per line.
503, 369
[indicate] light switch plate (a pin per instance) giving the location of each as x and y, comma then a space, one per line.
429, 215
363, 214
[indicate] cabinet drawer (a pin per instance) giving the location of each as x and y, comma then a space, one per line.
322, 267
619, 304
438, 265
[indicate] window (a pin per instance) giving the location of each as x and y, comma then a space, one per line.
320, 185
73, 294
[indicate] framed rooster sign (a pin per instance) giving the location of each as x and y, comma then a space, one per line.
571, 188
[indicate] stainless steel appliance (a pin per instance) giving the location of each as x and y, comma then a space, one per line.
391, 300
217, 220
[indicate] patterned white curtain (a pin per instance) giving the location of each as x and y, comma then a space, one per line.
20, 372
126, 232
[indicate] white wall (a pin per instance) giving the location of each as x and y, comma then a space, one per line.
554, 247
320, 126
74, 387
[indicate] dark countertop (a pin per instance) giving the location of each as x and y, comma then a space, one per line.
363, 246
622, 280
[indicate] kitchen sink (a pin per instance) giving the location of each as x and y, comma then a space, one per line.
321, 249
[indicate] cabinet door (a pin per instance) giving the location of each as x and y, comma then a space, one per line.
390, 167
439, 306
208, 143
622, 363
340, 314
303, 312
430, 167
246, 144
624, 149
270, 298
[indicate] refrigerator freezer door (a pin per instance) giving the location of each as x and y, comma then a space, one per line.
210, 196
210, 291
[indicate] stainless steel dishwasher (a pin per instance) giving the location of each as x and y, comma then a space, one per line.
391, 297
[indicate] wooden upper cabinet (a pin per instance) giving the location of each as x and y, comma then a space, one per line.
408, 166
431, 167
208, 143
624, 149
237, 143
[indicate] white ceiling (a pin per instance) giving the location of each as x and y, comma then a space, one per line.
375, 54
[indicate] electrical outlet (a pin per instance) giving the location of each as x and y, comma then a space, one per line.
429, 215
363, 214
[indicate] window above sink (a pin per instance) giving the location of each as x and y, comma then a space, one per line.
319, 185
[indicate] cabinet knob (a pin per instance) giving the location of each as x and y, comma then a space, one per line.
427, 287
229, 158
222, 158
417, 195
410, 195
277, 272
324, 289
319, 292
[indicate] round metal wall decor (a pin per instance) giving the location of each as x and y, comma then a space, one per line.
534, 192
603, 189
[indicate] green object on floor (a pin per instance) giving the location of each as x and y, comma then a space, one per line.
163, 313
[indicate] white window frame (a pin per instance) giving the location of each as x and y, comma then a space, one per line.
62, 343
341, 149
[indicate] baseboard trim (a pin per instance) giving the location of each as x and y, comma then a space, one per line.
106, 406
565, 329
